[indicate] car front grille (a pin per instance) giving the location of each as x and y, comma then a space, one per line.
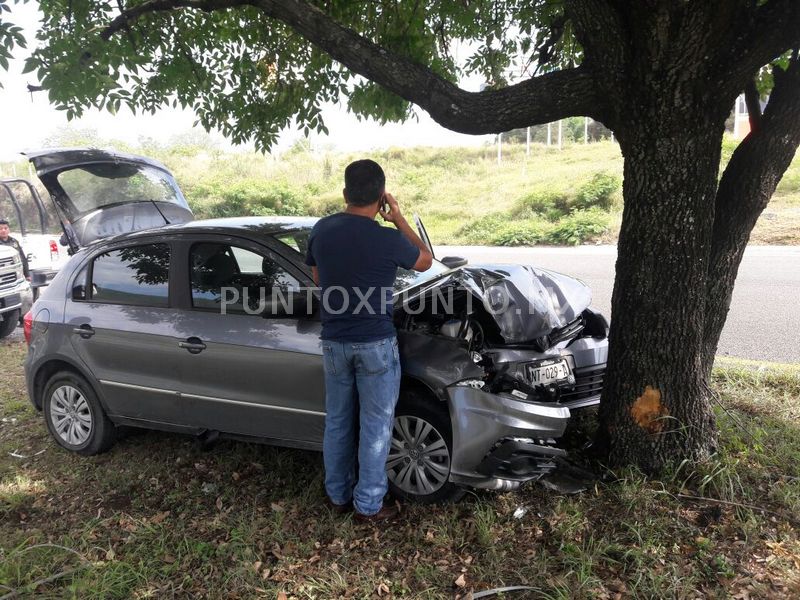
7, 261
8, 279
588, 383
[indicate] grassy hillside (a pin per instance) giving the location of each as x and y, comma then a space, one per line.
551, 196
569, 196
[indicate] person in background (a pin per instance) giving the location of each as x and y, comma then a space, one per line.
7, 240
353, 257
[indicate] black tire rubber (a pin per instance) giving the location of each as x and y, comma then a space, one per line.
103, 433
9, 323
434, 411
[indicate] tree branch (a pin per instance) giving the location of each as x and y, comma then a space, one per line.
753, 101
773, 29
542, 99
747, 184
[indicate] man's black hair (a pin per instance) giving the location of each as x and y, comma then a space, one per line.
364, 181
3, 221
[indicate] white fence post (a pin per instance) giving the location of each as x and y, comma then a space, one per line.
549, 133
585, 130
499, 147
559, 134
528, 142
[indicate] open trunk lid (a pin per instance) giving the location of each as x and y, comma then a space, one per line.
99, 193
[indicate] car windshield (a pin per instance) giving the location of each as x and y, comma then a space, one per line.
406, 278
90, 187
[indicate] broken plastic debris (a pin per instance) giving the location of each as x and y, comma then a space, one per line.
520, 512
560, 482
16, 454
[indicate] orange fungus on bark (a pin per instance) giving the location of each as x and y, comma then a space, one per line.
648, 412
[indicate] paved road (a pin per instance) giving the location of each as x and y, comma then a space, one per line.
764, 321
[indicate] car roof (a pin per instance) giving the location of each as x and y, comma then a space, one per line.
260, 226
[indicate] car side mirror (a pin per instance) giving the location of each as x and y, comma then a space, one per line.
452, 262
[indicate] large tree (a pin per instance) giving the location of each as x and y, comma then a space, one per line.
662, 74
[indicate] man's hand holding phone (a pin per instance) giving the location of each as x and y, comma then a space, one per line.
390, 209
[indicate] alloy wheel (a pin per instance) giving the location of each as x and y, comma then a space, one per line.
70, 415
419, 459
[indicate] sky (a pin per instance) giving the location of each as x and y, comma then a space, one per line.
29, 119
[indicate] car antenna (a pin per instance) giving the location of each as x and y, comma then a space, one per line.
166, 221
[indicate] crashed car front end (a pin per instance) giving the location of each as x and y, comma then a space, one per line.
515, 352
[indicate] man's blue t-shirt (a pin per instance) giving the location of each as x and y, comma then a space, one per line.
357, 260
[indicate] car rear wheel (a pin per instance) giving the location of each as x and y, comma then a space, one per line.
74, 416
9, 323
420, 455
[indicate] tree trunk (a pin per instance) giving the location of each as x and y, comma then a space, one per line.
655, 406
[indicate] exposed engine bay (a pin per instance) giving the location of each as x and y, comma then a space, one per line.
542, 368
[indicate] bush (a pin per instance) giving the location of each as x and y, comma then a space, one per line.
580, 226
326, 204
483, 229
254, 198
550, 203
521, 233
599, 192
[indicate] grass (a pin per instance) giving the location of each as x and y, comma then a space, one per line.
157, 517
549, 196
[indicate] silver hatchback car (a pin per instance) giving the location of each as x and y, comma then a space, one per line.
162, 322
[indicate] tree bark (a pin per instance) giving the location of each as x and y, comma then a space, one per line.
655, 405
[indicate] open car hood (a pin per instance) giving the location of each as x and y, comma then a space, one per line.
100, 193
527, 303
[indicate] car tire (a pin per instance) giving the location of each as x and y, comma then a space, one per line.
420, 455
9, 323
74, 415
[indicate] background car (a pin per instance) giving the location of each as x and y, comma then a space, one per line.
33, 222
131, 332
15, 292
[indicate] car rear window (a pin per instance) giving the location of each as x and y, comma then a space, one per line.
136, 275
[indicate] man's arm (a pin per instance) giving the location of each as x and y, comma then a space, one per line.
315, 275
24, 260
425, 259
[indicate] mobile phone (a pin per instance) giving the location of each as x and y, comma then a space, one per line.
385, 205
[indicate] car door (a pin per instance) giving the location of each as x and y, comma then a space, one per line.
122, 328
244, 370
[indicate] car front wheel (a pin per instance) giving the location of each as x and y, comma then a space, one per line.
420, 455
74, 416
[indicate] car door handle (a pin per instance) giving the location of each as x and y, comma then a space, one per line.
193, 345
85, 331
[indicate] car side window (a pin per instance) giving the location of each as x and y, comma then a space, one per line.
235, 279
137, 275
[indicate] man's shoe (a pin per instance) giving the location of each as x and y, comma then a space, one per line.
339, 509
384, 514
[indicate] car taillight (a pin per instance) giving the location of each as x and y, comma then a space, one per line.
53, 250
27, 325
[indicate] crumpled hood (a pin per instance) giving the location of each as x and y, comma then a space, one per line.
526, 302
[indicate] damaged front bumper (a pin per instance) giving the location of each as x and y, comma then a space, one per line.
499, 441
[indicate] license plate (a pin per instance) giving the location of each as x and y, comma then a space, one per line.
544, 374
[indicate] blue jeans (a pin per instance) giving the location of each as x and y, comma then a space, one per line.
362, 381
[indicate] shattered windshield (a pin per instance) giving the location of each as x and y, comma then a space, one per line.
406, 278
90, 187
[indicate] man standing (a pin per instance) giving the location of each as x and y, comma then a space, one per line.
7, 240
354, 260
